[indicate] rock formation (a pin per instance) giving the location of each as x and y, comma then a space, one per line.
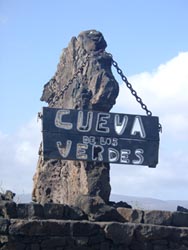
7, 196
83, 80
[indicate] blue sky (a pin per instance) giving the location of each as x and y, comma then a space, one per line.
148, 39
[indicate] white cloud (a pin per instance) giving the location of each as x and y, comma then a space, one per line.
164, 88
165, 92
18, 157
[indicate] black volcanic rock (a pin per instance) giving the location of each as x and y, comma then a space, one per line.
93, 87
182, 209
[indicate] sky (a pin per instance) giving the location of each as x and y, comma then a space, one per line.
148, 39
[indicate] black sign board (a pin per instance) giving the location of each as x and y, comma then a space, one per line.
98, 136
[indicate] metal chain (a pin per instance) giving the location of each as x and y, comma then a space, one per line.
129, 86
133, 92
66, 86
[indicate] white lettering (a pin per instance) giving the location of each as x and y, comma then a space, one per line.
138, 153
58, 119
114, 142
101, 122
113, 155
89, 140
64, 152
120, 126
138, 127
81, 151
108, 141
124, 155
87, 127
97, 151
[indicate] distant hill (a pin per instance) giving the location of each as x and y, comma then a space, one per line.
136, 202
149, 203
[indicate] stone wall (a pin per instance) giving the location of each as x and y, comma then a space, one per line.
61, 227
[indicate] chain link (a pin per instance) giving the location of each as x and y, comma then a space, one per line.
39, 116
133, 92
129, 86
66, 86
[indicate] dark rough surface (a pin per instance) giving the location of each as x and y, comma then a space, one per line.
80, 235
182, 209
60, 211
119, 204
158, 217
91, 209
120, 233
63, 227
30, 210
94, 88
4, 223
7, 196
180, 219
97, 209
8, 209
131, 215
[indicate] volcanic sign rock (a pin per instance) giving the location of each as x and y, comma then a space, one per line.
83, 80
